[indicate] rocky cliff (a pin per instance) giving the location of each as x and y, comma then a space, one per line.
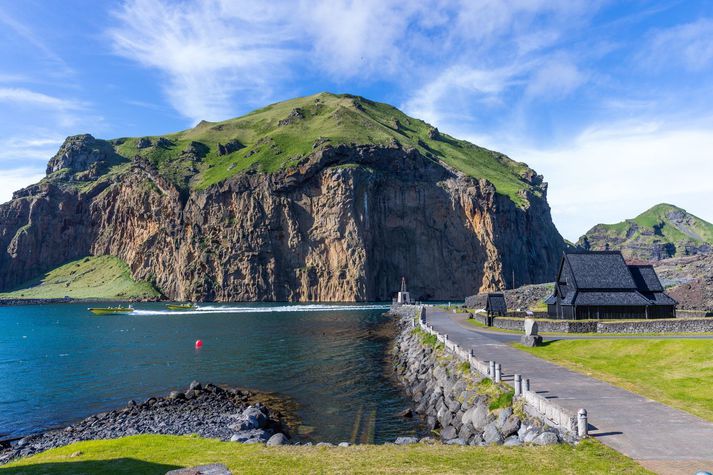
214, 214
689, 280
661, 232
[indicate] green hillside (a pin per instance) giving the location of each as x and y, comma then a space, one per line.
662, 231
102, 278
280, 135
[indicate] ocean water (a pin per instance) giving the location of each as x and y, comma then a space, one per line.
60, 363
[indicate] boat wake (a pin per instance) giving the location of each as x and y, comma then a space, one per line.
211, 309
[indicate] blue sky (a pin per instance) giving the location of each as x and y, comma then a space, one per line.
610, 101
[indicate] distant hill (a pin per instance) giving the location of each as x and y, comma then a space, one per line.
661, 232
103, 277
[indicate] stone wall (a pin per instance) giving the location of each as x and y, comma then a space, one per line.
679, 325
672, 325
451, 393
693, 313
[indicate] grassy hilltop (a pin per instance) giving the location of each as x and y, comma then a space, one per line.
280, 135
662, 231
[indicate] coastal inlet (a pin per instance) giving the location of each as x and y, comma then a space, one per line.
61, 364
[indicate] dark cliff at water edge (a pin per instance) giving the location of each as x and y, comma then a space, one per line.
322, 198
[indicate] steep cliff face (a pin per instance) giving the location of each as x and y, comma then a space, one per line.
341, 223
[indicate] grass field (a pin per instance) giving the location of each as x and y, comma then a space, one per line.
102, 277
677, 372
154, 454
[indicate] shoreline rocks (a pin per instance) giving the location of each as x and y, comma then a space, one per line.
209, 411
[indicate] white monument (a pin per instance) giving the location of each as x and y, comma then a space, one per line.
403, 297
531, 337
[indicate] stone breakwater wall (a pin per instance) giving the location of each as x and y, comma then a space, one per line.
669, 325
452, 392
209, 411
23, 301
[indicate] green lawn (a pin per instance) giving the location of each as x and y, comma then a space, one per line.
102, 277
153, 454
677, 372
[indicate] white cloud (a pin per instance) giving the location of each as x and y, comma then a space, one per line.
15, 179
555, 78
509, 53
437, 101
690, 45
209, 51
38, 147
616, 171
352, 37
529, 24
213, 52
28, 97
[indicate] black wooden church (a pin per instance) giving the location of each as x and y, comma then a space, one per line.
600, 285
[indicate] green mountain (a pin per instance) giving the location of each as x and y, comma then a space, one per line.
321, 198
284, 134
658, 233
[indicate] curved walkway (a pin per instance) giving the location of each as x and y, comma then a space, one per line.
661, 438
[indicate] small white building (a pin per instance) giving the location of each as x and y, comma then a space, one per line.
403, 296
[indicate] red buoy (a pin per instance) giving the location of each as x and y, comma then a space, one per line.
199, 344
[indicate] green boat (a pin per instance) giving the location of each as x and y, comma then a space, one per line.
111, 310
181, 306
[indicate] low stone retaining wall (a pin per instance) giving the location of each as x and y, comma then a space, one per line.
693, 313
669, 325
679, 325
446, 383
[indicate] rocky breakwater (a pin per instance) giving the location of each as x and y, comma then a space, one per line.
463, 407
209, 411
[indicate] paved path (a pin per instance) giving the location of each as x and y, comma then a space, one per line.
661, 438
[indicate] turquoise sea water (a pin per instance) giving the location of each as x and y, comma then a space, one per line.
60, 363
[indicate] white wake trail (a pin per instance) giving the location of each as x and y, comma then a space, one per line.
210, 309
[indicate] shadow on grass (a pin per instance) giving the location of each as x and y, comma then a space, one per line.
548, 343
120, 466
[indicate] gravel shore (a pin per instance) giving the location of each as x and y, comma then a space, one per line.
209, 411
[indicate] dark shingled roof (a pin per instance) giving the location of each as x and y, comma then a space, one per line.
632, 298
659, 298
551, 300
600, 270
568, 299
602, 278
645, 278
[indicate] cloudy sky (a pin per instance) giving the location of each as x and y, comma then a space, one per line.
611, 101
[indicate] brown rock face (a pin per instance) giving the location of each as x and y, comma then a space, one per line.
689, 280
345, 225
